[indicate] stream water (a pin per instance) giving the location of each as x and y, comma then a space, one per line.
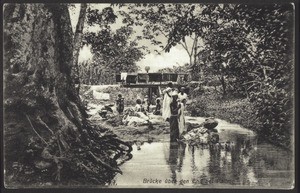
243, 164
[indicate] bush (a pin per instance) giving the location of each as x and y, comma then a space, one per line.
198, 108
274, 112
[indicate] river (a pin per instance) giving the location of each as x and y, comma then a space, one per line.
244, 163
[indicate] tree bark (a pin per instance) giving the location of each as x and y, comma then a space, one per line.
77, 41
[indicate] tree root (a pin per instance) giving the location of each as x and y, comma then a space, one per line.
36, 131
104, 164
40, 121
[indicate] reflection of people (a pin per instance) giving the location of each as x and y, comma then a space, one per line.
214, 167
120, 104
181, 154
166, 111
175, 160
174, 127
173, 156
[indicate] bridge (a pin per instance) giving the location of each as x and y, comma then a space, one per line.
152, 81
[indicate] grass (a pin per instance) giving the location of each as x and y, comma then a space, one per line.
233, 110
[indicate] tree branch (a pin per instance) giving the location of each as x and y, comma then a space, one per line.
185, 47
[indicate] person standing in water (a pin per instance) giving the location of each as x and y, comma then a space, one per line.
181, 119
166, 112
174, 123
182, 97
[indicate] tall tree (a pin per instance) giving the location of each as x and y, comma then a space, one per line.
47, 134
77, 41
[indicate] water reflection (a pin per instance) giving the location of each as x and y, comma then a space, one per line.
239, 162
172, 162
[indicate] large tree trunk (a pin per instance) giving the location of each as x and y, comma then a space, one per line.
46, 130
77, 44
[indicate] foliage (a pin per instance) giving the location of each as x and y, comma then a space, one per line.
114, 52
249, 47
198, 107
270, 85
163, 20
101, 18
129, 98
175, 69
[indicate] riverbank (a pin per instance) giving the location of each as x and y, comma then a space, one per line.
209, 104
158, 130
234, 110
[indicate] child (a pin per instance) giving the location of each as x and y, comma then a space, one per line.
157, 108
147, 103
138, 106
120, 104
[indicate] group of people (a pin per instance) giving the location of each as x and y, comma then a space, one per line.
173, 110
141, 106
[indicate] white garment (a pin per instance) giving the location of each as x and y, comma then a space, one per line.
101, 95
137, 108
181, 120
166, 110
123, 76
182, 96
138, 118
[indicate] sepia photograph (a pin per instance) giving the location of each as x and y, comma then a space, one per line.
149, 95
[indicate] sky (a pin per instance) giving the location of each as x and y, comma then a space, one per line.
176, 56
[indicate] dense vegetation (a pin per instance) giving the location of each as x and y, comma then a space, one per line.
248, 48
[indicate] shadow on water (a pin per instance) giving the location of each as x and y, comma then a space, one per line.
235, 163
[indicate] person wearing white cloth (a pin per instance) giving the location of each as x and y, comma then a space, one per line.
181, 119
166, 110
182, 95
